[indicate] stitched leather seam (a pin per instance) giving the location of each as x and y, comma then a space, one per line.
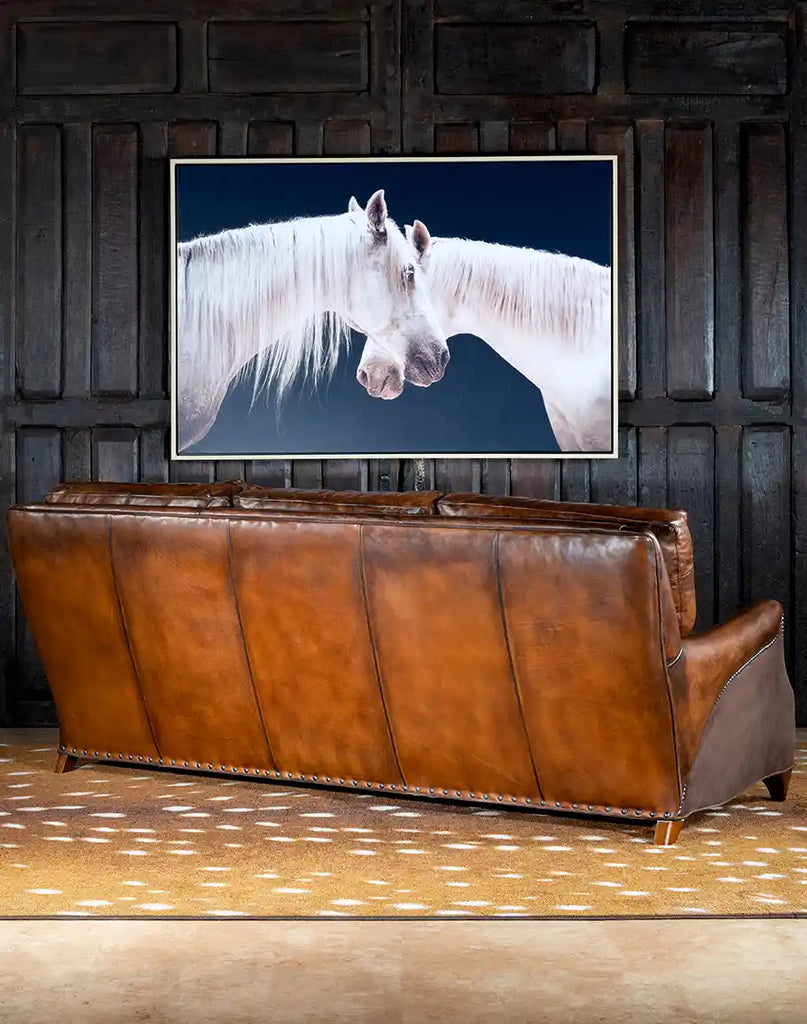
658, 564
511, 665
234, 592
128, 639
374, 650
673, 661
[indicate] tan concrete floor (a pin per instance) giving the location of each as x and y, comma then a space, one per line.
382, 972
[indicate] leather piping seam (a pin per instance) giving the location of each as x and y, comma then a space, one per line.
658, 565
753, 658
371, 638
128, 638
511, 665
674, 660
242, 634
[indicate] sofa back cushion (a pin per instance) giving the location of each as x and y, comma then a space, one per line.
669, 526
378, 503
218, 495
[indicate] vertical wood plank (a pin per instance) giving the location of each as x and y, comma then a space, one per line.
691, 471
653, 467
689, 235
535, 478
115, 262
766, 528
192, 44
728, 302
77, 455
154, 455
39, 301
153, 343
615, 481
727, 544
575, 480
651, 313
77, 273
766, 284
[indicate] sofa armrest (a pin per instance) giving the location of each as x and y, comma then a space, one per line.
734, 707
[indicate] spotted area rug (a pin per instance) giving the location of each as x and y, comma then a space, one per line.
112, 841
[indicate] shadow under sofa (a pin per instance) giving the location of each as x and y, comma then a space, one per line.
513, 651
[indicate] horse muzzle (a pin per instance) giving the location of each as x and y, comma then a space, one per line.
381, 381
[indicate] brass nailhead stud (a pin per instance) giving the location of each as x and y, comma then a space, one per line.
288, 775
368, 784
431, 790
210, 765
355, 783
417, 789
652, 814
607, 808
484, 796
84, 752
406, 787
639, 812
120, 757
327, 778
500, 797
445, 791
392, 786
341, 782
624, 811
666, 814
529, 801
557, 803
574, 805
96, 754
314, 778
74, 750
513, 799
591, 807
151, 759
139, 758
224, 769
381, 785
277, 774
108, 754
131, 757
302, 776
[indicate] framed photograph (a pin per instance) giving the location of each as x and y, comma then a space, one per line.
401, 307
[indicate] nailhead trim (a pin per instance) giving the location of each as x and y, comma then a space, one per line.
379, 786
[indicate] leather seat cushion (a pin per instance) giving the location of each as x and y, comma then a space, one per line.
219, 495
297, 499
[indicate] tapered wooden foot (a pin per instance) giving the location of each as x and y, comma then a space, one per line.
65, 763
666, 833
777, 785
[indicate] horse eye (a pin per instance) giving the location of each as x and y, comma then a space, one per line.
409, 272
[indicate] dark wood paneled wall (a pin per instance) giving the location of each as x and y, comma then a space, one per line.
703, 101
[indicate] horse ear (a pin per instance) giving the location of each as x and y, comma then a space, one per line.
353, 205
408, 232
377, 212
419, 238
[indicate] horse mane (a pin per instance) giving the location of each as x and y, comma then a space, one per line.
265, 290
529, 290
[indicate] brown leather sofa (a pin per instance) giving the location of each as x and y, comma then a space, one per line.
525, 653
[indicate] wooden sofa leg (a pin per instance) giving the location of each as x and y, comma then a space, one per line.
667, 832
65, 763
777, 785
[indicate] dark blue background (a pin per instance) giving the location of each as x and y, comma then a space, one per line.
482, 404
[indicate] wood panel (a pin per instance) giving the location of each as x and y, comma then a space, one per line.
766, 307
689, 262
729, 58
547, 59
271, 57
39, 279
108, 57
702, 103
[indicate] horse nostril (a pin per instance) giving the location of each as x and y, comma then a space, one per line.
363, 378
444, 357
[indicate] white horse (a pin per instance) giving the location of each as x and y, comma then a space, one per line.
547, 314
289, 293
